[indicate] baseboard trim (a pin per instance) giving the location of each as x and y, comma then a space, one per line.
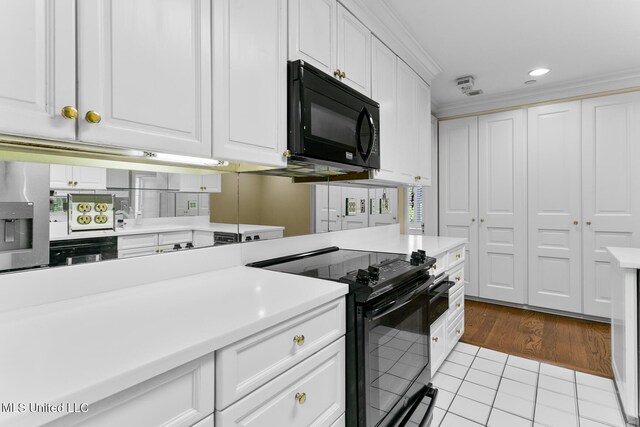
541, 309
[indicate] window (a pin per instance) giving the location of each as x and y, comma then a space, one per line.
415, 211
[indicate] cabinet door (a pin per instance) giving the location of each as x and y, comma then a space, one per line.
430, 194
458, 153
360, 218
610, 190
354, 52
38, 75
423, 127
554, 207
250, 65
312, 33
145, 67
212, 183
328, 208
502, 206
60, 176
90, 178
383, 90
438, 344
406, 143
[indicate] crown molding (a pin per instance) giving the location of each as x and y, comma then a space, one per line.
383, 22
561, 90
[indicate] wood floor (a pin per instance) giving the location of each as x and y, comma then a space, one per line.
572, 343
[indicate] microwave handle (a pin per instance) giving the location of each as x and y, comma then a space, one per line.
366, 115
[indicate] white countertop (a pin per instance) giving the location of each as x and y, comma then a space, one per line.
85, 349
89, 347
60, 233
626, 257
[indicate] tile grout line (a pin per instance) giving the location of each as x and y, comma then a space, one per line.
535, 397
498, 388
575, 388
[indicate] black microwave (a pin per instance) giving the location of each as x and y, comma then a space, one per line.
330, 124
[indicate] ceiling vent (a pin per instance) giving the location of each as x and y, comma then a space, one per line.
465, 84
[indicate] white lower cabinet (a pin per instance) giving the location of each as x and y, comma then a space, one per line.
447, 330
178, 398
340, 422
311, 393
152, 243
207, 422
254, 361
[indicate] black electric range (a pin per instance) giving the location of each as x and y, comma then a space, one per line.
387, 338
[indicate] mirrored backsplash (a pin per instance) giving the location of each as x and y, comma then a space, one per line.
108, 214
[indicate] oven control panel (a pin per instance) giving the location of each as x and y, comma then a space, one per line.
91, 212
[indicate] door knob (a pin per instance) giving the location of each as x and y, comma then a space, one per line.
69, 112
92, 117
575, 222
481, 219
588, 222
473, 220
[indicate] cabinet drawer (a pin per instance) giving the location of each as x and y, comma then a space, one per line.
173, 237
456, 297
456, 306
320, 378
177, 398
252, 362
207, 422
340, 422
440, 265
457, 275
137, 241
455, 256
130, 253
455, 330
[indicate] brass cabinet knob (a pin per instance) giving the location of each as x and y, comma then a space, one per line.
457, 278
287, 153
473, 220
337, 73
588, 222
435, 339
435, 267
575, 222
458, 305
343, 75
301, 398
299, 339
69, 112
75, 183
204, 188
70, 183
418, 178
458, 331
92, 117
481, 219
458, 256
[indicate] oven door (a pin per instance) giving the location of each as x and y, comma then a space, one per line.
439, 299
397, 339
337, 124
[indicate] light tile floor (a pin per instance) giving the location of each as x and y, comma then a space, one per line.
478, 386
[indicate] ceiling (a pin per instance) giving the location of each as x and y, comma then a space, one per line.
500, 41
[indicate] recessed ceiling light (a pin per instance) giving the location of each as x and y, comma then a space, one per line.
539, 72
530, 82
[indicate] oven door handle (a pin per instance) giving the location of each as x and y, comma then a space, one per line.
427, 390
441, 290
397, 303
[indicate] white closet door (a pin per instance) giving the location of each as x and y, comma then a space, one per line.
361, 217
38, 73
458, 175
502, 206
145, 67
610, 190
554, 207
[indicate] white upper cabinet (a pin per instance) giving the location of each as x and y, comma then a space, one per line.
383, 90
312, 33
144, 67
610, 191
77, 177
423, 123
502, 206
554, 207
38, 75
210, 183
354, 52
250, 69
406, 142
327, 36
458, 177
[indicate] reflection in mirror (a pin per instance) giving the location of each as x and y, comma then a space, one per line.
147, 213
